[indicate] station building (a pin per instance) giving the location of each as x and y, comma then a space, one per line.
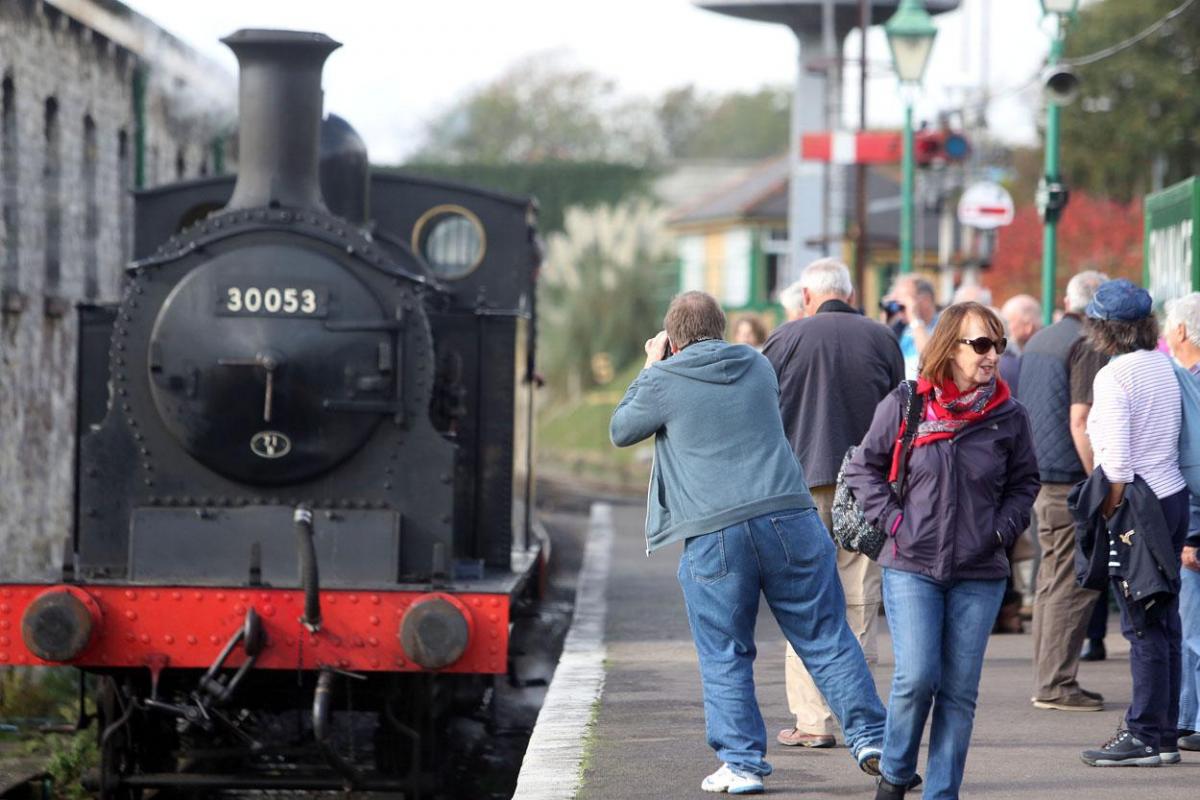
733, 241
97, 101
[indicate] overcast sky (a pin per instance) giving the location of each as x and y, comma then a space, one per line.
403, 62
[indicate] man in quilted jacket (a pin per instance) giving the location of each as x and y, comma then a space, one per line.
1057, 369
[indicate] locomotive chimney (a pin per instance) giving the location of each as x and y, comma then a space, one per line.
279, 109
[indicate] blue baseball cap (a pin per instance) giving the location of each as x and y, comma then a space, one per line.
1120, 300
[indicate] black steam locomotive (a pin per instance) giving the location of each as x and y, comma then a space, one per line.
303, 472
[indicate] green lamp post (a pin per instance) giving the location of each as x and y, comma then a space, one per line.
1061, 86
910, 34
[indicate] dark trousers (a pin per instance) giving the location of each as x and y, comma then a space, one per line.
1155, 656
1097, 625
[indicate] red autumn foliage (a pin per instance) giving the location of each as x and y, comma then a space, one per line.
1092, 234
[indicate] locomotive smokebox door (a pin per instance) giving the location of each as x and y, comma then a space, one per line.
256, 355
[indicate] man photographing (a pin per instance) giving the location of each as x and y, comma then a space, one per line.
726, 483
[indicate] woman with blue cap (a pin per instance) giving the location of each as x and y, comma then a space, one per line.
1134, 428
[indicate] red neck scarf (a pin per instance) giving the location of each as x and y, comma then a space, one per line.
952, 411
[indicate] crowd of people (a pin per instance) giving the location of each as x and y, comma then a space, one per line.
987, 450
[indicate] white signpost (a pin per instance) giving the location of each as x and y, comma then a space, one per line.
985, 205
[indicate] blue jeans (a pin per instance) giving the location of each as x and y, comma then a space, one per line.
789, 558
1189, 612
939, 635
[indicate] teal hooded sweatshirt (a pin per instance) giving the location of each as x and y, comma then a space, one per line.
720, 454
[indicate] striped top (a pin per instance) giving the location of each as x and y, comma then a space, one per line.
1134, 421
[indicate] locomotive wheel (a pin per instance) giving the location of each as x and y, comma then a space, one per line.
117, 752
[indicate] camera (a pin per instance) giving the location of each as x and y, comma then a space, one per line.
891, 307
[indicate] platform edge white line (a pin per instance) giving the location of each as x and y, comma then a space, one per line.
550, 769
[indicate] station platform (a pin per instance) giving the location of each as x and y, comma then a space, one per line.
637, 729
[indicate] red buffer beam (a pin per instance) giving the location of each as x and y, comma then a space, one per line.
188, 626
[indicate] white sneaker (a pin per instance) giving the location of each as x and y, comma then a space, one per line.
727, 780
1169, 756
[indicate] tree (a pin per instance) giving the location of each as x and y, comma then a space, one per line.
1094, 233
542, 108
743, 125
1138, 107
603, 289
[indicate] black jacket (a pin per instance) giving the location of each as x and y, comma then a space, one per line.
834, 367
1133, 546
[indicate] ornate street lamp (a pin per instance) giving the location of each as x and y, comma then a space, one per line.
910, 34
1061, 86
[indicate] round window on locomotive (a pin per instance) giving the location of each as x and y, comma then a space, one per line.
451, 240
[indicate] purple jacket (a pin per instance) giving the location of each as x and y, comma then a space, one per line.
967, 498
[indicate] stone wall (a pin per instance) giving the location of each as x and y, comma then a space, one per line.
67, 154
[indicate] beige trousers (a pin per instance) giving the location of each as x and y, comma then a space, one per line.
1060, 608
862, 583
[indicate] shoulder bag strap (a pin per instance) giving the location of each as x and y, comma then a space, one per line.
913, 407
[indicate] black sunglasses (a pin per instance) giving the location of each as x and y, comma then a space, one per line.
982, 344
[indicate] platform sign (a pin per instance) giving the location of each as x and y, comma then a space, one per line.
1172, 241
985, 205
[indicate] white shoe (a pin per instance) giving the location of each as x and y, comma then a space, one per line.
1169, 756
727, 780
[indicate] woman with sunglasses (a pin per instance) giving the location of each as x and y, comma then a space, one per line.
971, 481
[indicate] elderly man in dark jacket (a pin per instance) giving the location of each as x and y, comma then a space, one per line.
834, 366
1057, 370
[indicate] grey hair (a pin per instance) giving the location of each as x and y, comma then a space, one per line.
973, 291
1082, 288
792, 298
1023, 305
1185, 311
827, 276
920, 285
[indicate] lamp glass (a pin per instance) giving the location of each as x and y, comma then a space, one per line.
910, 54
1060, 6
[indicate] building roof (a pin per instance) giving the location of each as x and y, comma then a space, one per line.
762, 196
757, 195
204, 79
806, 14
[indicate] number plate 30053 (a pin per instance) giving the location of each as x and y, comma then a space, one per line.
273, 301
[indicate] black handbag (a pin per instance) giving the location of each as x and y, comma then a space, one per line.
851, 530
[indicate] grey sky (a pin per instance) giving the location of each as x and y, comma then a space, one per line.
402, 62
